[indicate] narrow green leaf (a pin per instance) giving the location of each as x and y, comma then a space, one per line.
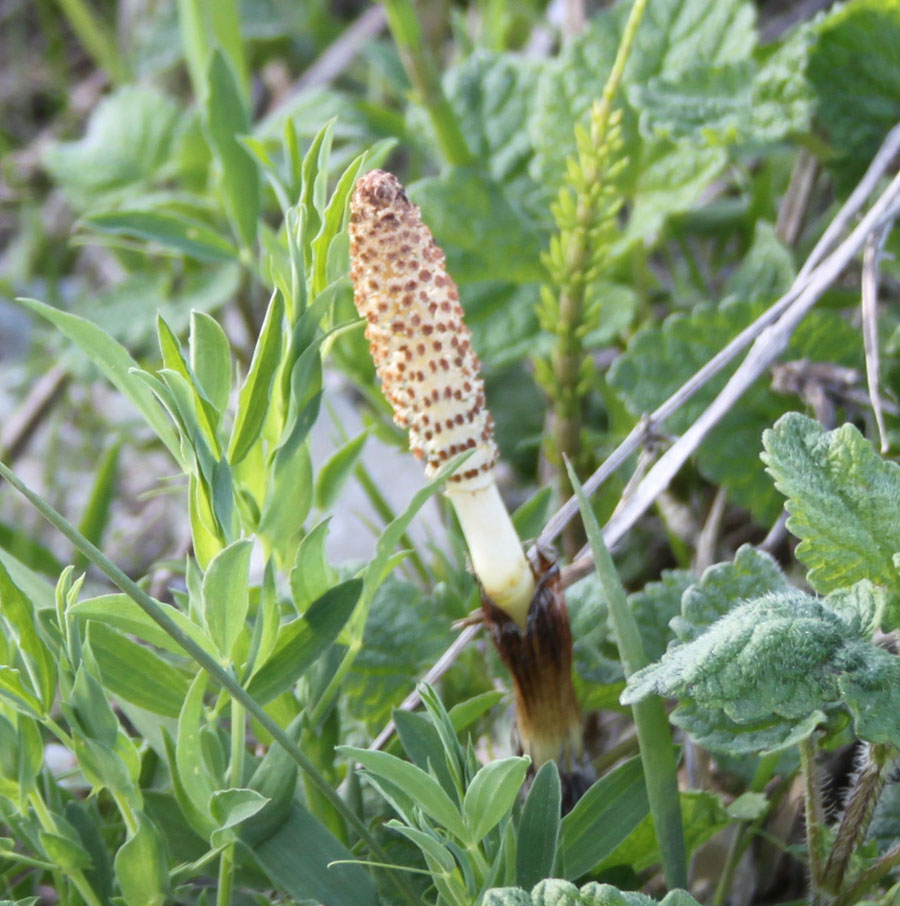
135, 673
427, 792
337, 470
96, 514
423, 747
234, 806
226, 596
120, 611
429, 845
602, 818
303, 640
18, 612
311, 575
115, 362
226, 119
532, 515
296, 858
211, 359
539, 828
171, 232
13, 690
491, 795
192, 771
64, 851
253, 401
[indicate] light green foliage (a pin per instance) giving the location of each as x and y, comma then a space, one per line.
129, 137
785, 655
842, 500
722, 587
563, 893
859, 40
405, 633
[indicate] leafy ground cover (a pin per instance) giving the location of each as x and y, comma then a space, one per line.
238, 659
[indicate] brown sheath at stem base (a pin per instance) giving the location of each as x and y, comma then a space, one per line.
540, 662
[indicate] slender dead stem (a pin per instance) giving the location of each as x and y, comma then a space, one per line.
871, 257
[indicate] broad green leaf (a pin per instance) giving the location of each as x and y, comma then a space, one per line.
226, 596
492, 94
602, 818
171, 232
128, 139
842, 498
135, 673
232, 807
115, 362
18, 613
655, 605
539, 825
870, 691
491, 795
337, 470
141, 867
88, 705
253, 402
858, 40
289, 494
429, 795
121, 612
226, 119
96, 514
482, 234
722, 587
303, 640
467, 712
296, 860
311, 575
211, 359
38, 590
781, 655
64, 851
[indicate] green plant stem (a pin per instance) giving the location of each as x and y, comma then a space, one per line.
236, 781
98, 40
815, 815
407, 35
225, 679
650, 718
744, 834
868, 879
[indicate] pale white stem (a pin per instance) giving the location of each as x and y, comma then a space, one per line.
495, 549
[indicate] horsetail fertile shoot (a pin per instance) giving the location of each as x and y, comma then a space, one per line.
430, 374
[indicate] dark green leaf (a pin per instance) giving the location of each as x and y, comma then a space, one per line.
602, 818
539, 825
296, 859
96, 515
135, 673
303, 640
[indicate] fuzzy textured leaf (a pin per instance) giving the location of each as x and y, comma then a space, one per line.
555, 892
842, 497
